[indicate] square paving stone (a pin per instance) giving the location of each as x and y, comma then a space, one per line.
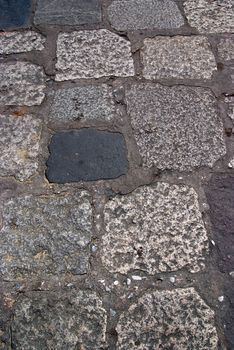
83, 103
220, 197
14, 13
86, 154
19, 146
154, 229
180, 57
93, 54
177, 319
176, 127
68, 12
59, 321
21, 83
210, 16
147, 14
45, 235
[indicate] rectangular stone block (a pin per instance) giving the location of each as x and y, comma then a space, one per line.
177, 57
68, 12
16, 42
14, 13
226, 49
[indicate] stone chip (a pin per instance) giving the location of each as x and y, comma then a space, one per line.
180, 57
176, 127
177, 319
93, 54
16, 42
154, 229
147, 14
45, 235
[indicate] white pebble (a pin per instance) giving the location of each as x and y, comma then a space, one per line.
221, 298
116, 283
136, 278
172, 279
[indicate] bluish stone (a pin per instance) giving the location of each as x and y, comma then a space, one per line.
86, 154
14, 13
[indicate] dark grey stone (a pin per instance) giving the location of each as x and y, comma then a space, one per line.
220, 196
86, 154
14, 13
228, 312
72, 12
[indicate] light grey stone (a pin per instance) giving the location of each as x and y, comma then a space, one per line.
226, 49
177, 57
83, 103
144, 14
19, 146
177, 319
45, 235
21, 83
16, 42
72, 12
93, 54
59, 321
230, 107
210, 16
154, 229
176, 127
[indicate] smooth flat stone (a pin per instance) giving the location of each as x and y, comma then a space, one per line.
14, 13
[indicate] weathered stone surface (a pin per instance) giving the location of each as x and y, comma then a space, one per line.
14, 13
86, 154
226, 49
93, 54
147, 14
45, 235
83, 103
154, 229
19, 146
21, 84
228, 315
177, 319
230, 107
52, 321
177, 57
220, 197
72, 12
175, 127
15, 42
210, 16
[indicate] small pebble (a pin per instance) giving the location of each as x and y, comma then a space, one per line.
231, 273
221, 298
213, 242
172, 279
116, 283
112, 312
128, 281
136, 278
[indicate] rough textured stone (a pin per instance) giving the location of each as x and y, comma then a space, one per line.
230, 107
177, 319
176, 127
210, 16
226, 49
83, 102
93, 54
19, 146
177, 57
21, 84
220, 196
228, 316
147, 14
72, 12
154, 229
52, 321
86, 154
14, 13
15, 42
45, 235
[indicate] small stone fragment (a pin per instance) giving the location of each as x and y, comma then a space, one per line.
83, 103
175, 127
93, 54
154, 229
72, 12
46, 235
19, 146
147, 14
210, 16
86, 154
221, 299
14, 13
16, 42
55, 321
177, 319
230, 107
178, 57
226, 49
21, 84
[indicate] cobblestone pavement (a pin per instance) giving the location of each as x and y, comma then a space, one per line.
117, 174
